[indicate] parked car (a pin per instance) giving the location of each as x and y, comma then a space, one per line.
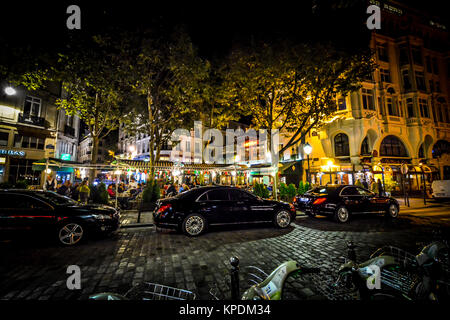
195, 210
342, 201
441, 189
48, 213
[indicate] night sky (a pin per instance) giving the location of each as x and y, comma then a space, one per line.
213, 25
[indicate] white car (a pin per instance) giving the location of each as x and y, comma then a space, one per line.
441, 189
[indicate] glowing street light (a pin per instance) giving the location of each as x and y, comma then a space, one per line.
10, 91
308, 149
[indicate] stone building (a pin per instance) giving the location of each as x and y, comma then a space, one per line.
399, 117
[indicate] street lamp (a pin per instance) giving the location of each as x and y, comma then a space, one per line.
308, 149
330, 166
10, 91
424, 184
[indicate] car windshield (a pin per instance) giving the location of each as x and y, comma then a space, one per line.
58, 199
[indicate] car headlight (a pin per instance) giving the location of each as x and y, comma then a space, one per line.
101, 216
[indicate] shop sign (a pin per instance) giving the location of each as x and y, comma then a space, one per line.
65, 156
16, 153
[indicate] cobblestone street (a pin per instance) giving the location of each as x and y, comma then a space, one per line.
37, 270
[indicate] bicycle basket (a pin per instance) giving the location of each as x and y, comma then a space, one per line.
401, 257
154, 291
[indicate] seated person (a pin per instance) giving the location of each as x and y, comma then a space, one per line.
111, 191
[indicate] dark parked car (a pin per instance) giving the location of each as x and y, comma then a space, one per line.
194, 210
48, 213
342, 201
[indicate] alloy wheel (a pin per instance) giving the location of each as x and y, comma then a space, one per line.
342, 214
283, 219
393, 212
194, 225
71, 234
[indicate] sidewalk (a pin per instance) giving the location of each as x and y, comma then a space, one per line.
417, 203
129, 219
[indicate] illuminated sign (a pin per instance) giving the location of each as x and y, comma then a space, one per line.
12, 152
65, 156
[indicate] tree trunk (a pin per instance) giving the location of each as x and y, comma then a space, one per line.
92, 172
151, 142
274, 163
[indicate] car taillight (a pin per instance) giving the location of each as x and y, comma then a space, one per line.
164, 208
295, 199
319, 201
291, 206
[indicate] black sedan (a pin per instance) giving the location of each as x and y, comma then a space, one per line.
342, 201
194, 210
48, 213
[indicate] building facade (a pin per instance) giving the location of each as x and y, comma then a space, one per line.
28, 126
399, 117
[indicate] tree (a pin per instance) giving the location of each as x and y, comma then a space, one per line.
292, 87
92, 90
168, 82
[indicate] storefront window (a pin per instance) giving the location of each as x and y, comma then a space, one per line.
441, 147
4, 136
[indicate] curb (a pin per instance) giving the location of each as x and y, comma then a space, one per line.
136, 225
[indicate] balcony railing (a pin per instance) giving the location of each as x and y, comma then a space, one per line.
69, 131
29, 119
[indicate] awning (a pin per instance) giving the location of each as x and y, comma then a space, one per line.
289, 167
169, 165
52, 165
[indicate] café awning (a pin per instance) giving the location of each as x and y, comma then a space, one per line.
53, 165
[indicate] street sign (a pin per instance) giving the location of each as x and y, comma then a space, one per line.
65, 156
404, 169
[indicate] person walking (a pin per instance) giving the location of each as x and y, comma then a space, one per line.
74, 193
84, 192
380, 188
374, 186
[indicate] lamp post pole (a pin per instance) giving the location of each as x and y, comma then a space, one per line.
309, 171
308, 149
424, 186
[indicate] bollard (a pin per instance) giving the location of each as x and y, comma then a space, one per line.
351, 254
234, 278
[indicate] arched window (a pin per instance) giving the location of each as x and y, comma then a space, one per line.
391, 146
365, 147
341, 146
441, 147
421, 151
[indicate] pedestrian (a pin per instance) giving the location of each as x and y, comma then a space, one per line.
64, 190
50, 184
358, 183
74, 193
172, 190
121, 188
374, 186
380, 188
111, 191
84, 192
133, 183
365, 184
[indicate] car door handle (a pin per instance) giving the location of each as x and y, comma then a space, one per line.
240, 202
